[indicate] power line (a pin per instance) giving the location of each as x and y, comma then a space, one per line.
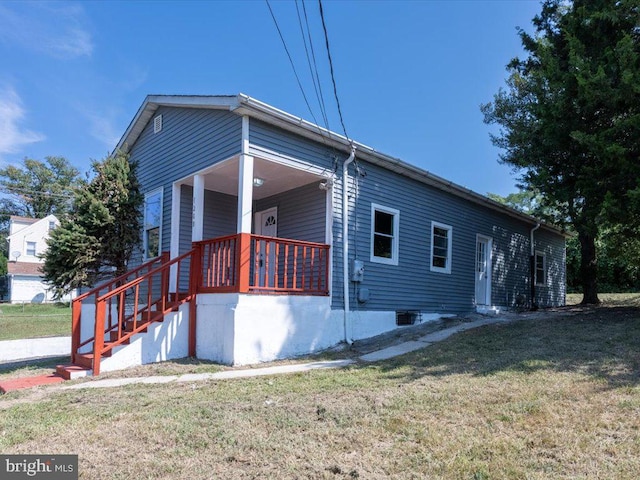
316, 84
333, 79
284, 44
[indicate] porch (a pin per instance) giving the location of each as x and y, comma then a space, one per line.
147, 316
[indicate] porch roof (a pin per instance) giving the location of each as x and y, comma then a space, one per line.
242, 105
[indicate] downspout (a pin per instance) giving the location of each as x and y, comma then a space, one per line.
532, 267
345, 243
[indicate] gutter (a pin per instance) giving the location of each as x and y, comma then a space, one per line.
532, 266
345, 244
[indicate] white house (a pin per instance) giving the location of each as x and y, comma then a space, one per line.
27, 242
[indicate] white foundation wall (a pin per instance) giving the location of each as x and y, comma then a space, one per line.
166, 340
241, 329
369, 323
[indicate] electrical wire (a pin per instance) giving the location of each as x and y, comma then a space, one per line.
333, 78
315, 78
295, 72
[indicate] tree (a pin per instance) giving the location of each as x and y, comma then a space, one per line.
97, 239
570, 118
37, 189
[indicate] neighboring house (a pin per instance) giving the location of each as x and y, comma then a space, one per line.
248, 202
27, 242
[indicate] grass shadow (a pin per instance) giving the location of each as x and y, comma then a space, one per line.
600, 342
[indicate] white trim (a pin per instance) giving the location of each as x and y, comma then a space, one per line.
287, 161
449, 229
153, 192
544, 268
489, 241
197, 212
395, 240
245, 183
328, 233
174, 247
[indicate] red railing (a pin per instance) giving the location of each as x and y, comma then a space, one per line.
76, 304
241, 263
257, 264
128, 309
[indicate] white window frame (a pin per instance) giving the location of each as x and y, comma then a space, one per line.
147, 196
538, 282
449, 257
35, 249
395, 239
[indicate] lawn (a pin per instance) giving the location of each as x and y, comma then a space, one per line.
33, 320
557, 397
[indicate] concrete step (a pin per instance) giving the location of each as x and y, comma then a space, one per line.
29, 382
71, 372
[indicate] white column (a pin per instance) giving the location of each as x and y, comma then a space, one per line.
245, 182
197, 226
174, 248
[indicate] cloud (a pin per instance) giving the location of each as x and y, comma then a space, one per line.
102, 128
12, 136
54, 29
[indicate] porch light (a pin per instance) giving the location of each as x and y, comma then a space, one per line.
257, 182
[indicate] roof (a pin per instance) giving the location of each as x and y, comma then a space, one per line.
16, 218
242, 105
24, 268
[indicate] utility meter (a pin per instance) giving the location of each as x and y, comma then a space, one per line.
357, 271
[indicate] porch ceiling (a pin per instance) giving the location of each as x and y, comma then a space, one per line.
223, 178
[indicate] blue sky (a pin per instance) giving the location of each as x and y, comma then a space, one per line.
410, 75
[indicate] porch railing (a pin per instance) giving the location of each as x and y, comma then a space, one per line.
248, 263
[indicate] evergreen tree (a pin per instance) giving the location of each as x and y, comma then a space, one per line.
570, 118
96, 240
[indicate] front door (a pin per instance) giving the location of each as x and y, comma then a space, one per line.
483, 270
266, 224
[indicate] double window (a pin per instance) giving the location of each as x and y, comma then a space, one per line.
152, 223
385, 223
441, 241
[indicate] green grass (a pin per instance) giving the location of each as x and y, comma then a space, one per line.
34, 320
609, 299
557, 397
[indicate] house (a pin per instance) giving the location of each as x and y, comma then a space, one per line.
248, 256
27, 242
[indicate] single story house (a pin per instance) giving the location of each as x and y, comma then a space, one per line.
267, 236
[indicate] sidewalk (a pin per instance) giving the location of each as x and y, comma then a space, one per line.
438, 331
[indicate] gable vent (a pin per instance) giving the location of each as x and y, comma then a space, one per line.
157, 124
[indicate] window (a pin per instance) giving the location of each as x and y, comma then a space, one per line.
152, 223
31, 249
541, 269
52, 225
441, 247
385, 224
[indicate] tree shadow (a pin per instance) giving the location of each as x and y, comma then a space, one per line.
598, 342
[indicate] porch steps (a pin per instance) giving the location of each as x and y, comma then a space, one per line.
71, 372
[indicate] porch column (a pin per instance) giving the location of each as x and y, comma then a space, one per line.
197, 226
245, 182
174, 247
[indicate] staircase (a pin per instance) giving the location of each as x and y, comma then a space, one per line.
107, 318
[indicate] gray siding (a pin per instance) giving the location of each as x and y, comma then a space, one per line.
191, 140
301, 213
411, 284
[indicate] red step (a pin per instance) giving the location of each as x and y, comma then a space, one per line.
70, 372
29, 382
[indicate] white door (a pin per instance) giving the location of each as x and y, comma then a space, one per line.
483, 271
266, 224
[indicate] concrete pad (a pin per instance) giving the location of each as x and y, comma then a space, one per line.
29, 382
393, 351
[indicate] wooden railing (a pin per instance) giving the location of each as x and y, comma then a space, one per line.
241, 263
248, 263
106, 287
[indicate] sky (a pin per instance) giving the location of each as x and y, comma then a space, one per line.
410, 75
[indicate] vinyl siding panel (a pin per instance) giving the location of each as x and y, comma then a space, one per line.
191, 139
301, 213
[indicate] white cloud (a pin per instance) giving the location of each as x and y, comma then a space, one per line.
12, 136
55, 29
102, 128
